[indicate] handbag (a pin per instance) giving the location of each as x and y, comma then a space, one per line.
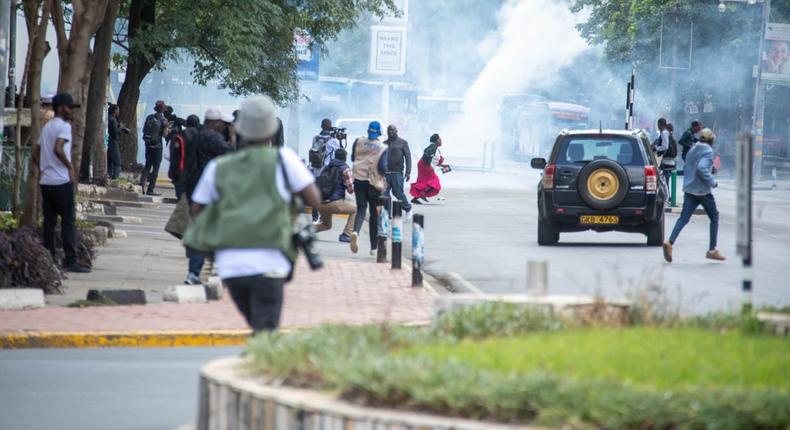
180, 219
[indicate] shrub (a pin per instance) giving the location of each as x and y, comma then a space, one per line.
24, 262
8, 222
495, 319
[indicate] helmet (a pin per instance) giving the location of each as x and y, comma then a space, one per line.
706, 135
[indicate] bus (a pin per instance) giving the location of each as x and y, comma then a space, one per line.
530, 123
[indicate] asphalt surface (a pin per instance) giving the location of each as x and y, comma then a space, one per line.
101, 389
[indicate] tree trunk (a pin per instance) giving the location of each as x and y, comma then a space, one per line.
36, 30
141, 12
97, 93
74, 58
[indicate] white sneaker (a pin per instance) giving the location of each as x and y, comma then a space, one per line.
354, 246
374, 253
409, 216
193, 280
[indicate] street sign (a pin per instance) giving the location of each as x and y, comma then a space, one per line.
308, 56
387, 50
744, 197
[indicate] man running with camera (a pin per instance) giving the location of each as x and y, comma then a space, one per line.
243, 209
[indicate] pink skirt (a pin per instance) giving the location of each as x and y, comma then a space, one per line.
428, 184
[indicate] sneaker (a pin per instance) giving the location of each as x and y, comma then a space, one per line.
416, 201
374, 252
76, 268
714, 255
193, 279
344, 238
354, 245
409, 216
667, 251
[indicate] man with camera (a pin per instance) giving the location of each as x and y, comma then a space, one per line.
155, 128
243, 207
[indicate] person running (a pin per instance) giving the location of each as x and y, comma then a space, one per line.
366, 154
398, 160
698, 183
242, 205
334, 182
428, 184
57, 181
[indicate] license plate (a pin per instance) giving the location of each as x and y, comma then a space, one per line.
599, 219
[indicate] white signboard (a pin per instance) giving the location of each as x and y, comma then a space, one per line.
387, 50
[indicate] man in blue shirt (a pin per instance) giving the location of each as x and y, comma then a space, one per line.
698, 183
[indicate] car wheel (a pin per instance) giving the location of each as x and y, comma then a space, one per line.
603, 184
546, 234
655, 233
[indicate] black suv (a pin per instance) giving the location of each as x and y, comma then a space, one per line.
602, 180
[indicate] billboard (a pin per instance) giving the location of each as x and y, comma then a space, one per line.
387, 50
776, 58
307, 55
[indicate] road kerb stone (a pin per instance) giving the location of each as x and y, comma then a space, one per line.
124, 339
21, 298
185, 294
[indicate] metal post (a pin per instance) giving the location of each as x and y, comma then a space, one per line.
744, 218
417, 249
628, 106
11, 48
537, 277
5, 22
384, 226
397, 234
673, 195
759, 96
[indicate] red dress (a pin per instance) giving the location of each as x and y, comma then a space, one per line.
428, 184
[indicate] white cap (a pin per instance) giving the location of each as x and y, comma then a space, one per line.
213, 114
227, 117
47, 99
257, 119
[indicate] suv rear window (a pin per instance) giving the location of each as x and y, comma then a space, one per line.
583, 149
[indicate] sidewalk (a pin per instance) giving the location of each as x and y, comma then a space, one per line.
348, 291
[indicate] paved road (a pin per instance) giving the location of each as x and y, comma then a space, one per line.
486, 230
100, 389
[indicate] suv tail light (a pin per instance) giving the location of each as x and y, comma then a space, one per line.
651, 179
548, 177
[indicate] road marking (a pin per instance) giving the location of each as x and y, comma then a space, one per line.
121, 339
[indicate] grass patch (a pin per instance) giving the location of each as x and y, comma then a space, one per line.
516, 364
103, 301
645, 357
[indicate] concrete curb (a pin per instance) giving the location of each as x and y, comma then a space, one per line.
120, 339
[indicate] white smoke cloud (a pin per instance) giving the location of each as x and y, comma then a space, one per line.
536, 38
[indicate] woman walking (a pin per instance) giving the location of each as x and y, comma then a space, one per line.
428, 184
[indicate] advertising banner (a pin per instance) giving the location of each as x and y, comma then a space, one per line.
308, 56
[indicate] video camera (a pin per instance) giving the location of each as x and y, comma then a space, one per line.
339, 133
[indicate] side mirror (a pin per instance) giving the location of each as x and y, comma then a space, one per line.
538, 163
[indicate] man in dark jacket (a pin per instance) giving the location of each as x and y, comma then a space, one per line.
180, 141
690, 137
398, 158
337, 172
153, 147
113, 152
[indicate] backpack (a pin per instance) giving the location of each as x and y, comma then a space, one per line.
328, 180
317, 152
152, 131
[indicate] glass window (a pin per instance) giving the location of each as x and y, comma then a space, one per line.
583, 149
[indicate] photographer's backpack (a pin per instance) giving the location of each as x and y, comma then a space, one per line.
318, 151
327, 181
152, 131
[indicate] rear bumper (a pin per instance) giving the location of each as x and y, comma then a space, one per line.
632, 219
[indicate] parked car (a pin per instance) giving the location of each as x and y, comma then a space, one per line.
601, 180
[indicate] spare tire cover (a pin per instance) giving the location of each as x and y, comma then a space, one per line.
603, 184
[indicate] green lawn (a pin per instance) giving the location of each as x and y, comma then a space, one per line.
644, 357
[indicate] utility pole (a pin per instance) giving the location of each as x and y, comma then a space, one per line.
5, 29
758, 116
11, 81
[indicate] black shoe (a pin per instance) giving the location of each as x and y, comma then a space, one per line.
424, 199
76, 268
151, 193
416, 201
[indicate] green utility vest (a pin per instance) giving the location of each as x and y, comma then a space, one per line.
250, 212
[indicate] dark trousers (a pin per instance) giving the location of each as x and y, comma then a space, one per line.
196, 261
690, 203
113, 161
153, 158
395, 185
259, 299
367, 197
58, 200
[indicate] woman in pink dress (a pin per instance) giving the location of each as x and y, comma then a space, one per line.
428, 184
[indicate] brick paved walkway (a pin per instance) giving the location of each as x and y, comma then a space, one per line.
343, 292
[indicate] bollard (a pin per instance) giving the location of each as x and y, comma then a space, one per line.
384, 226
397, 234
417, 249
673, 194
537, 277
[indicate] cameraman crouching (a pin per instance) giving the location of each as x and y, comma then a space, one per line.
243, 213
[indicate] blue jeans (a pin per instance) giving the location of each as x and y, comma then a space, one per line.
196, 261
690, 203
395, 184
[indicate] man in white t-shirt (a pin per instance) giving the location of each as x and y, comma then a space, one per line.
255, 276
57, 181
